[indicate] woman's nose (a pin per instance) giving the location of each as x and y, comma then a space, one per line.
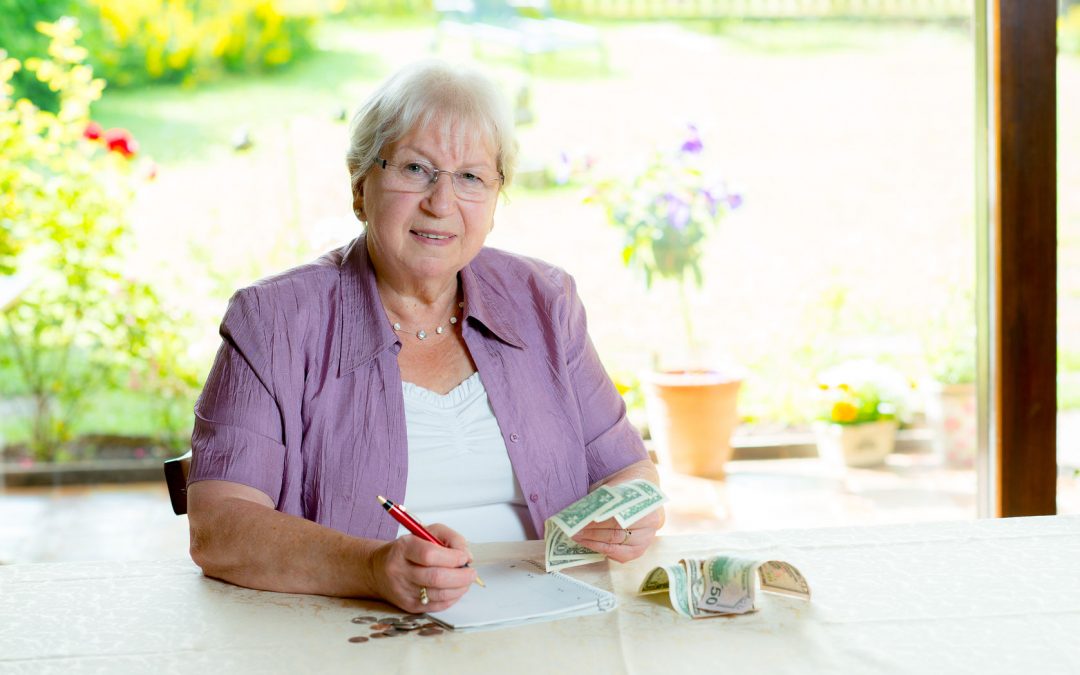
441, 193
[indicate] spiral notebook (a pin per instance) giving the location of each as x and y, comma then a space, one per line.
520, 592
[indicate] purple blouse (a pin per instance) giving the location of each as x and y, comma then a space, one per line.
304, 398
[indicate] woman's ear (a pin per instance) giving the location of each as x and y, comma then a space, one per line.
358, 201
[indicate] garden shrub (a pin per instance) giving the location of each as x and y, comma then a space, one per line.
83, 325
21, 42
138, 41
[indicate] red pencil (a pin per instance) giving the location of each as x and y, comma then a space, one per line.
413, 525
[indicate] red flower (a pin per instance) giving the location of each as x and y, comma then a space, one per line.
120, 140
92, 131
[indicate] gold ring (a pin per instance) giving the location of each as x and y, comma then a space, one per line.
625, 538
423, 595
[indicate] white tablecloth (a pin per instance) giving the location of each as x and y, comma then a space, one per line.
992, 596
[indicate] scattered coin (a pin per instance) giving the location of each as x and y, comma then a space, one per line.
427, 632
364, 619
380, 626
429, 624
379, 635
358, 638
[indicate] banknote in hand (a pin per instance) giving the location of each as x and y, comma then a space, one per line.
626, 502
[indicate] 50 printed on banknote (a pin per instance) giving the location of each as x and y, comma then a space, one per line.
626, 502
723, 584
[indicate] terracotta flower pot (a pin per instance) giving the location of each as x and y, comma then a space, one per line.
859, 445
691, 416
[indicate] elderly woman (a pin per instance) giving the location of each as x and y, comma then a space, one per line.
413, 363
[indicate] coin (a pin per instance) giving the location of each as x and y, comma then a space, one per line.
364, 619
427, 632
379, 635
405, 625
380, 626
358, 638
430, 624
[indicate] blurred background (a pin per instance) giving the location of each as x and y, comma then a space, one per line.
769, 208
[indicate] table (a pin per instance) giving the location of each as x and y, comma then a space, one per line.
989, 596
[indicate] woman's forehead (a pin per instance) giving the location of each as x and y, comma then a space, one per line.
456, 139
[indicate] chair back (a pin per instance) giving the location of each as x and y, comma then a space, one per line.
176, 473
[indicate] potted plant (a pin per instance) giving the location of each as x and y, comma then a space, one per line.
860, 413
666, 213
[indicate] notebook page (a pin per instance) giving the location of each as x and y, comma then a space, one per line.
519, 591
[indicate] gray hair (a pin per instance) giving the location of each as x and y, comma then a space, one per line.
424, 93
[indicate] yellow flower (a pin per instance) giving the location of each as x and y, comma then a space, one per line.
842, 411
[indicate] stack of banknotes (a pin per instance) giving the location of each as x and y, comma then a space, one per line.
625, 502
722, 584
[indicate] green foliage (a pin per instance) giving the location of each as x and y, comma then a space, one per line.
83, 325
137, 41
20, 41
1069, 30
950, 339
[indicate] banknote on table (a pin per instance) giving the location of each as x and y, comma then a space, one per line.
626, 502
722, 584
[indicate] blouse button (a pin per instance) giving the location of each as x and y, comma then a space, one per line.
514, 439
534, 498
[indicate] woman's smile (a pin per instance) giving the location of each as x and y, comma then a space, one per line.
432, 237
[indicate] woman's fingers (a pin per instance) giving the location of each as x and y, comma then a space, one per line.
442, 577
451, 538
621, 544
425, 553
410, 564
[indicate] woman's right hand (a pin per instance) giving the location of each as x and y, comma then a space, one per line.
402, 567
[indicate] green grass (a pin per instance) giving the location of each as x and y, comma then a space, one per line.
177, 124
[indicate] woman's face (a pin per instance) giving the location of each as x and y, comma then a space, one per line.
417, 238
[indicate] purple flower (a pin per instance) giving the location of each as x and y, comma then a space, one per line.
692, 145
678, 211
719, 193
713, 196
562, 169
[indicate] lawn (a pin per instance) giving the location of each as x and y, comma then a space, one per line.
852, 146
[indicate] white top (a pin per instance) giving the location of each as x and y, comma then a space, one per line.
459, 472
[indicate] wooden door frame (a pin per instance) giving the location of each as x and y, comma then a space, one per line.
1019, 253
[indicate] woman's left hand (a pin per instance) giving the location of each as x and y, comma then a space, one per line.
621, 544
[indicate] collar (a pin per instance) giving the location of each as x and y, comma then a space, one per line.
486, 304
364, 330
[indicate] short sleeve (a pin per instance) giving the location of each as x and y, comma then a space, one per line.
238, 422
611, 441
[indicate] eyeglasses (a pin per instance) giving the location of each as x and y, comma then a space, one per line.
419, 176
